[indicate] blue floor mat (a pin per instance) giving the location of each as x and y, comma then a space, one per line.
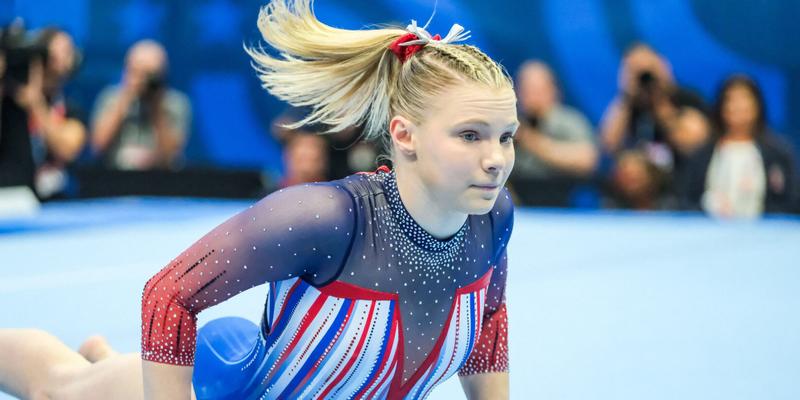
602, 305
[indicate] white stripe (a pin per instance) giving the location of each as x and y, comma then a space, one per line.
295, 319
329, 308
370, 353
392, 353
449, 349
339, 354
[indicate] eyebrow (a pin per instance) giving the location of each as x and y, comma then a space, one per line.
484, 123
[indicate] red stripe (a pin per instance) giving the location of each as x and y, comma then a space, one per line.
350, 291
328, 349
382, 168
481, 283
316, 334
382, 362
406, 387
477, 309
353, 339
306, 321
400, 389
346, 369
399, 353
393, 367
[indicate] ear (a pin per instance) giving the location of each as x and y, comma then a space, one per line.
402, 132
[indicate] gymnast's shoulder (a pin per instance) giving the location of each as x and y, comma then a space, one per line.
502, 214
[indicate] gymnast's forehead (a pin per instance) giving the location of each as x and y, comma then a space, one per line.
474, 102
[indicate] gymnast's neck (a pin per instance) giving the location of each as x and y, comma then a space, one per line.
440, 220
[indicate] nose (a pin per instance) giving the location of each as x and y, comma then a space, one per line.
493, 160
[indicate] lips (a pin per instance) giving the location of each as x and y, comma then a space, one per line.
486, 187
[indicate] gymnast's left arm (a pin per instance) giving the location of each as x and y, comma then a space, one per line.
484, 376
489, 386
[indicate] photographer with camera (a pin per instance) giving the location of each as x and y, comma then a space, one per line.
654, 115
141, 124
555, 145
648, 107
38, 67
16, 159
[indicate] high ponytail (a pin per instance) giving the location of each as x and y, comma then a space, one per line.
342, 75
350, 77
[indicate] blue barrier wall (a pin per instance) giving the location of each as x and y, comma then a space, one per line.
582, 39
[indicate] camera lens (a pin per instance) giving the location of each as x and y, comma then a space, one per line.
154, 83
647, 80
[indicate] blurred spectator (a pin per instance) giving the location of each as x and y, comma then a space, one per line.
345, 152
305, 157
16, 158
349, 154
142, 123
554, 142
649, 108
690, 132
54, 125
636, 183
747, 170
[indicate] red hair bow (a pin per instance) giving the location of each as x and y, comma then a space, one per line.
403, 53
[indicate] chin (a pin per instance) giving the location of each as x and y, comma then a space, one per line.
479, 206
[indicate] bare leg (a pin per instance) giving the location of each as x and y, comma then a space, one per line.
96, 348
116, 377
29, 358
36, 365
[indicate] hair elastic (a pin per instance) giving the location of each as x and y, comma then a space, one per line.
417, 37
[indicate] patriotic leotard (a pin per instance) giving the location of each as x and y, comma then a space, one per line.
363, 302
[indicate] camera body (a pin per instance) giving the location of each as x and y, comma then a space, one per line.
20, 48
648, 82
646, 92
154, 84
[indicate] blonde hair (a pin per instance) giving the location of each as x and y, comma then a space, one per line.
351, 77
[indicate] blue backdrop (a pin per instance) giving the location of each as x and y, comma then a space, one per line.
582, 39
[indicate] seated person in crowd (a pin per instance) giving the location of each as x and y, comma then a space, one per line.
636, 184
747, 170
55, 125
142, 123
691, 132
555, 146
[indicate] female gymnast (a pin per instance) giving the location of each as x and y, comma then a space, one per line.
382, 285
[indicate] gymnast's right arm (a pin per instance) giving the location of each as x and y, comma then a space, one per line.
303, 231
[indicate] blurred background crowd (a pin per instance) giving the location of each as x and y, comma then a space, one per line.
623, 105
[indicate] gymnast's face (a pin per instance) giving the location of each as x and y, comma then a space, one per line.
463, 146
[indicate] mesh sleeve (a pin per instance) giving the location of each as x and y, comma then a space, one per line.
301, 231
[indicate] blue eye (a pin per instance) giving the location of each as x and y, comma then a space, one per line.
469, 136
507, 138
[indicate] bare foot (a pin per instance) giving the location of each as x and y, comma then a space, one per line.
96, 348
